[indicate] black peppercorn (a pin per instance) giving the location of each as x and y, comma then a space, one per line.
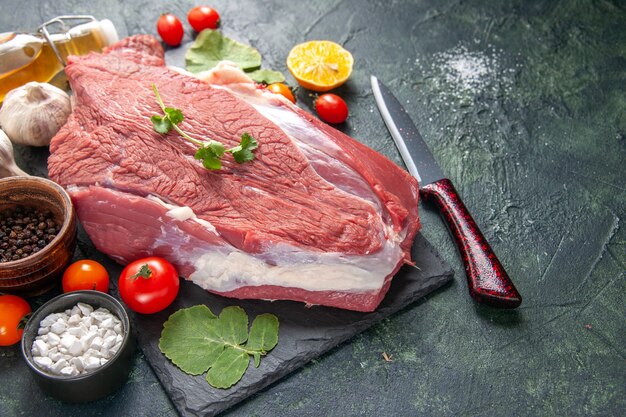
24, 231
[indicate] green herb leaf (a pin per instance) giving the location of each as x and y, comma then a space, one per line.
243, 152
197, 341
228, 369
189, 339
212, 47
266, 76
175, 115
263, 333
161, 124
233, 325
210, 154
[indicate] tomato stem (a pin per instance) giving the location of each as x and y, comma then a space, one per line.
23, 321
143, 272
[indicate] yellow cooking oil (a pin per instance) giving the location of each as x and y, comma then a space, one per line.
30, 57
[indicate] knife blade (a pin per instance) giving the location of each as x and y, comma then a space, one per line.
488, 281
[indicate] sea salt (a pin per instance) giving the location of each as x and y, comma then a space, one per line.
77, 341
460, 73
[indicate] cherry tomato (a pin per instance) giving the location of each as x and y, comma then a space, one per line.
170, 29
148, 285
283, 90
85, 275
203, 17
12, 310
331, 108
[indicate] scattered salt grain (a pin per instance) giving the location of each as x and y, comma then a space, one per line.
77, 341
460, 73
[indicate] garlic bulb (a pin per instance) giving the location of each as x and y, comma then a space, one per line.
33, 113
7, 161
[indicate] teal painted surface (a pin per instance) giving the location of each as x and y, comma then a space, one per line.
524, 105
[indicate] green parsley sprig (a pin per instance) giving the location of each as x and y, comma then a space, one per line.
209, 152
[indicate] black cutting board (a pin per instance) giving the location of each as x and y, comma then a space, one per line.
305, 333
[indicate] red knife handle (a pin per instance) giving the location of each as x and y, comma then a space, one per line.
487, 280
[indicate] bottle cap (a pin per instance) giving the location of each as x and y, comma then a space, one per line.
18, 50
109, 33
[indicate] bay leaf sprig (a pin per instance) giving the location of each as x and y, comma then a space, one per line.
210, 152
198, 341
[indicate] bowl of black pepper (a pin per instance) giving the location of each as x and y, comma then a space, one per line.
37, 234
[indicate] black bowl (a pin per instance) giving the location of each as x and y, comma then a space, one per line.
93, 385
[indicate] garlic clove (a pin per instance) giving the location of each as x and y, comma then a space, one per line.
8, 168
33, 113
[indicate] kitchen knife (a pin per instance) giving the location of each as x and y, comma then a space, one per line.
487, 280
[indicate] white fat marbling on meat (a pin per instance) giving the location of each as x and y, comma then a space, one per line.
284, 265
225, 268
182, 213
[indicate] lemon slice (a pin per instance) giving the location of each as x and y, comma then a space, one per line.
320, 65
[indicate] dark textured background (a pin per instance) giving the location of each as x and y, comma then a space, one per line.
537, 148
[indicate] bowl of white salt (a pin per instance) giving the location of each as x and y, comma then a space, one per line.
79, 346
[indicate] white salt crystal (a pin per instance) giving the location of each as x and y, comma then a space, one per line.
104, 352
78, 364
74, 319
53, 339
47, 322
107, 323
40, 348
58, 327
76, 348
42, 361
68, 371
67, 340
92, 363
75, 311
87, 321
87, 339
109, 341
77, 331
85, 308
55, 356
58, 366
92, 353
96, 343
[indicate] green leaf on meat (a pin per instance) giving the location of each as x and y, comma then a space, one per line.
211, 47
197, 341
266, 76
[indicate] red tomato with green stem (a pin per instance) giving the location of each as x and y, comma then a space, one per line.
203, 17
283, 90
13, 310
331, 108
170, 29
85, 275
148, 285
